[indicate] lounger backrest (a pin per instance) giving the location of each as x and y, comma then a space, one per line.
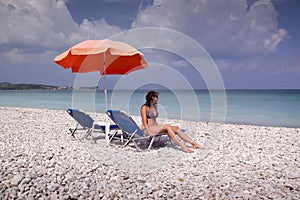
125, 122
83, 119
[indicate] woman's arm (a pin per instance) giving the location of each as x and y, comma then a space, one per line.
144, 118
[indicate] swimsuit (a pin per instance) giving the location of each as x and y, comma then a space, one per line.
151, 115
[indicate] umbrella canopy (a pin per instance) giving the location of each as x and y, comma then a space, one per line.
103, 56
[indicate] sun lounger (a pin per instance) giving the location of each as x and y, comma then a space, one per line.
131, 131
86, 122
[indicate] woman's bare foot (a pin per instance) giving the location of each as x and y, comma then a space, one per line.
196, 145
188, 150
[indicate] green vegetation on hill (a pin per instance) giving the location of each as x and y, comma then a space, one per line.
11, 86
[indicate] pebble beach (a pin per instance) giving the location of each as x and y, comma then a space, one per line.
40, 160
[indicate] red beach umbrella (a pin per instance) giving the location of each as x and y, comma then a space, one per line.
103, 56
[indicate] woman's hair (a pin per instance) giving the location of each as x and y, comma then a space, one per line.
149, 96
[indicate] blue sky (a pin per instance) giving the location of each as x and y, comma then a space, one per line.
254, 43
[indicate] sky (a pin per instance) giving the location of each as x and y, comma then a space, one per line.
254, 44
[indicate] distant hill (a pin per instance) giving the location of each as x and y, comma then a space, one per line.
11, 86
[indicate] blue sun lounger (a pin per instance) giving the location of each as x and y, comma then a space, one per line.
131, 131
86, 122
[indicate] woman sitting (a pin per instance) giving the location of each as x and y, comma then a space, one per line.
149, 125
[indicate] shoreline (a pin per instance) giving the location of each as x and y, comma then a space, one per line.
220, 123
40, 160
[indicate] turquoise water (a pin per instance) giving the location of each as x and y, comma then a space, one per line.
258, 107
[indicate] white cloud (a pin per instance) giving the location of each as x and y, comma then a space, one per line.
33, 32
35, 23
220, 26
275, 39
40, 26
97, 29
46, 24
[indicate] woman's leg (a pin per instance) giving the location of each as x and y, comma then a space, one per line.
186, 138
172, 135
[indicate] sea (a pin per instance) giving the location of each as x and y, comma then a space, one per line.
279, 108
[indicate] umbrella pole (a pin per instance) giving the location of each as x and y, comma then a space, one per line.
105, 88
105, 92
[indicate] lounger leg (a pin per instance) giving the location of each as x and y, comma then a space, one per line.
112, 136
136, 145
150, 145
122, 139
129, 139
107, 129
92, 130
88, 133
74, 130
